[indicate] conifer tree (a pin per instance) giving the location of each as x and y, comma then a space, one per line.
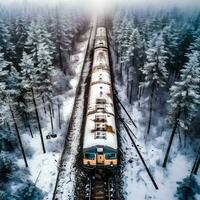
30, 79
135, 58
154, 70
184, 97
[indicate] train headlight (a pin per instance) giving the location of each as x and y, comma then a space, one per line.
111, 163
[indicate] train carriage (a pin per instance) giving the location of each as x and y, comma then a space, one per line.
100, 137
101, 38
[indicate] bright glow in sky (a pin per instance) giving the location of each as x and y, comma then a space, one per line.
107, 4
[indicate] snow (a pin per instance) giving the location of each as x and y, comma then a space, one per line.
67, 177
43, 168
100, 88
66, 183
89, 138
137, 184
100, 57
100, 37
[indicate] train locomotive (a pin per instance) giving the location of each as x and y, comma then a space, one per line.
100, 148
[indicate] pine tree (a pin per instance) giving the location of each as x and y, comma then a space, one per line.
63, 33
7, 46
3, 70
171, 38
5, 137
5, 165
185, 40
33, 40
117, 33
154, 70
187, 189
8, 98
135, 58
46, 67
184, 97
18, 38
122, 30
31, 79
4, 36
29, 191
41, 53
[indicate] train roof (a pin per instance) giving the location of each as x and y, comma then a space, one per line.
100, 92
99, 138
100, 128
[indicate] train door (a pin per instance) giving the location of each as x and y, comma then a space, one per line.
100, 158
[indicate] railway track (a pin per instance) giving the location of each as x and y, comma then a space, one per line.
99, 187
65, 180
96, 184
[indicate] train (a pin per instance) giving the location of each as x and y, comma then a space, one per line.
100, 146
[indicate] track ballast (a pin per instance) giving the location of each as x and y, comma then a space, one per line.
62, 191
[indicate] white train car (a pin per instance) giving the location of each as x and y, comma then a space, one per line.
100, 137
101, 38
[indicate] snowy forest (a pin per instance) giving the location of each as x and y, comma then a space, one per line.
35, 47
157, 72
158, 53
156, 65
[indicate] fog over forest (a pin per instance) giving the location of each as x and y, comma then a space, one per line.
88, 3
45, 53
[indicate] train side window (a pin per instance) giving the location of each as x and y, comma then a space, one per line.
100, 127
100, 101
110, 156
89, 156
100, 135
99, 66
100, 118
100, 106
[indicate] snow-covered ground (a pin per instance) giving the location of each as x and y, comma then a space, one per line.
137, 184
67, 177
43, 168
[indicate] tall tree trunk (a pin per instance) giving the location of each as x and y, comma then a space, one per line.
131, 93
170, 143
60, 58
28, 124
9, 129
185, 139
127, 89
59, 117
52, 108
43, 101
197, 166
196, 163
51, 118
23, 118
117, 55
38, 120
179, 137
18, 136
121, 69
151, 107
139, 95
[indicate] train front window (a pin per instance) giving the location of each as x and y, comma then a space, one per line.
89, 156
110, 156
